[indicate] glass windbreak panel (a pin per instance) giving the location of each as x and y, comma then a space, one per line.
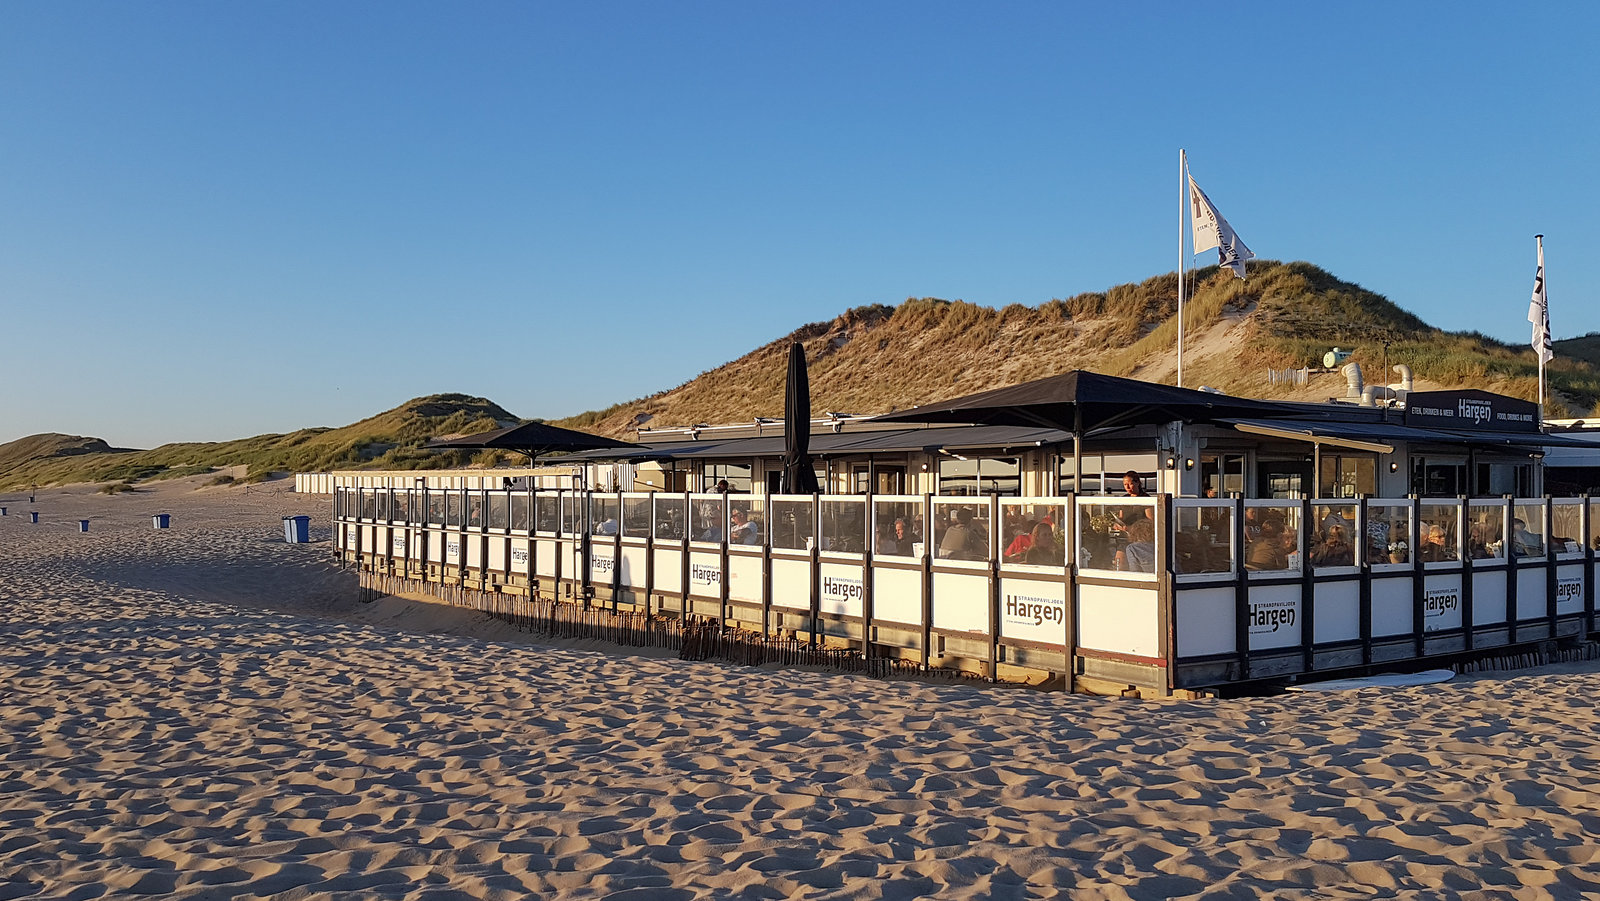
573, 507
1486, 526
1439, 532
1594, 517
844, 526
1566, 526
898, 528
384, 504
1202, 538
1031, 533
369, 504
1117, 536
547, 511
792, 524
1388, 533
499, 509
475, 510
604, 513
1331, 539
1527, 529
961, 530
707, 514
519, 512
1272, 537
636, 515
672, 517
436, 507
747, 521
453, 504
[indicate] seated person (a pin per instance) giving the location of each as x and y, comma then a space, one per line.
1139, 555
898, 542
1435, 549
1042, 547
958, 542
1267, 553
1525, 543
741, 529
1335, 549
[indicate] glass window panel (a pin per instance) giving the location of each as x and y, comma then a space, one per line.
1032, 533
453, 509
672, 516
844, 526
604, 513
436, 500
547, 511
1143, 466
636, 516
899, 528
573, 508
1527, 530
1092, 466
737, 474
706, 517
792, 526
1117, 536
958, 477
1272, 539
747, 520
961, 531
475, 510
1332, 535
1202, 538
519, 512
1438, 528
1388, 534
499, 509
1566, 526
1486, 525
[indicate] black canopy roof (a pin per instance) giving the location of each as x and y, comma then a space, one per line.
1082, 401
534, 439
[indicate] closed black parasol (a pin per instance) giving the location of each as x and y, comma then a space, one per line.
798, 476
534, 439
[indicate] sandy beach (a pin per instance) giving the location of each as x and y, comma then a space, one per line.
208, 712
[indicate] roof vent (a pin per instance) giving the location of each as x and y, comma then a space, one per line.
1352, 378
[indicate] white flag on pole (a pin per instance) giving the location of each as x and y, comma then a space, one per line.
1539, 314
1211, 230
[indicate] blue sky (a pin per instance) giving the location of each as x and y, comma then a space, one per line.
225, 219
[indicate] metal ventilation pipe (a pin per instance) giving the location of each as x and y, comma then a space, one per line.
1405, 376
1352, 377
1371, 394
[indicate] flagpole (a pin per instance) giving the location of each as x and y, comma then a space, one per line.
1183, 193
1539, 351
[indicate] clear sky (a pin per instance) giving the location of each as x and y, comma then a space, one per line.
224, 219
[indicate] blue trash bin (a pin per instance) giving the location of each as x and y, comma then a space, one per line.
162, 520
2, 511
33, 516
83, 525
297, 529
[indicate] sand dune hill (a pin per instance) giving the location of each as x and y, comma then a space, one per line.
208, 713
